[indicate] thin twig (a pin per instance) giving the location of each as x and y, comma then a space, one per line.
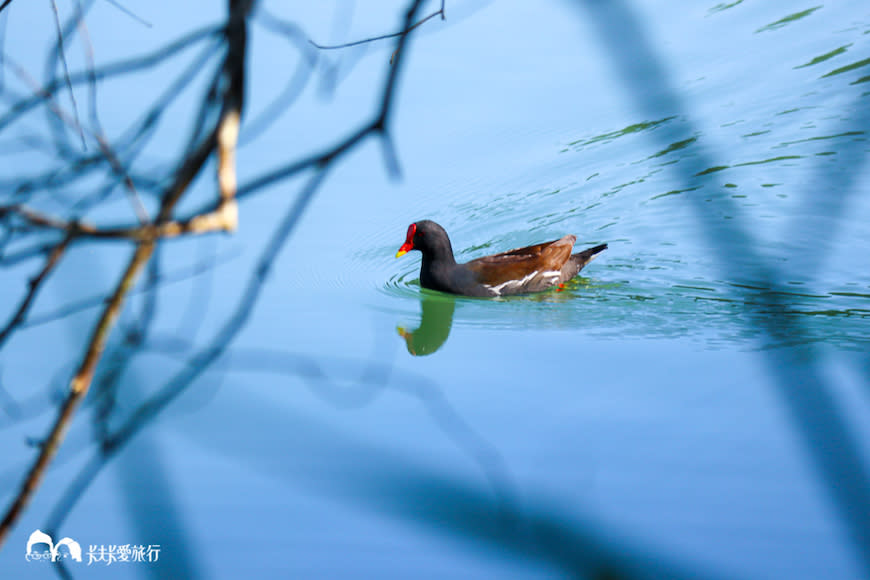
105, 148
174, 277
126, 67
99, 133
130, 13
35, 284
72, 95
25, 254
295, 85
377, 125
71, 121
403, 32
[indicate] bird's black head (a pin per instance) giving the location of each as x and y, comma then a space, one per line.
429, 238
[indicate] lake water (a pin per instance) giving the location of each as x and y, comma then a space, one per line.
694, 405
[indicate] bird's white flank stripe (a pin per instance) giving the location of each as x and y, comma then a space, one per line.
550, 276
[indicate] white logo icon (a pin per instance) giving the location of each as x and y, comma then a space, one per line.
40, 537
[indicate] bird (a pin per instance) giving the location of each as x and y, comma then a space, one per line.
520, 271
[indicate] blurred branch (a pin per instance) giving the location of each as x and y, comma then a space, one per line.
403, 32
295, 84
222, 140
375, 378
62, 52
202, 360
106, 150
163, 279
78, 389
73, 168
222, 218
130, 13
33, 287
72, 122
13, 259
379, 125
125, 67
100, 134
408, 487
800, 382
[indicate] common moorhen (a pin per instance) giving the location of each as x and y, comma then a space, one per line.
524, 270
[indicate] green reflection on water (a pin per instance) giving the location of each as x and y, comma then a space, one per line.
826, 56
788, 19
824, 137
436, 320
643, 299
718, 168
609, 136
723, 6
674, 147
847, 68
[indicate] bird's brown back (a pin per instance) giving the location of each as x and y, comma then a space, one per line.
522, 263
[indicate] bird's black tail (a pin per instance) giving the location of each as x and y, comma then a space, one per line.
579, 260
586, 255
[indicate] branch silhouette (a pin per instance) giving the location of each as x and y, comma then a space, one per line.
796, 372
223, 139
440, 12
220, 140
226, 92
202, 360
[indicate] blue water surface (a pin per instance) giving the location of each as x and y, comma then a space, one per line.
693, 405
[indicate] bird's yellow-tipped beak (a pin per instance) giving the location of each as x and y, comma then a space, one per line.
406, 247
409, 241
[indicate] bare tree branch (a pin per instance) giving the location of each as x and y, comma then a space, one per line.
130, 13
120, 68
100, 134
33, 287
222, 137
439, 12
78, 389
201, 361
72, 94
164, 279
220, 219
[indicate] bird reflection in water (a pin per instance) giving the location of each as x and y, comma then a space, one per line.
435, 322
